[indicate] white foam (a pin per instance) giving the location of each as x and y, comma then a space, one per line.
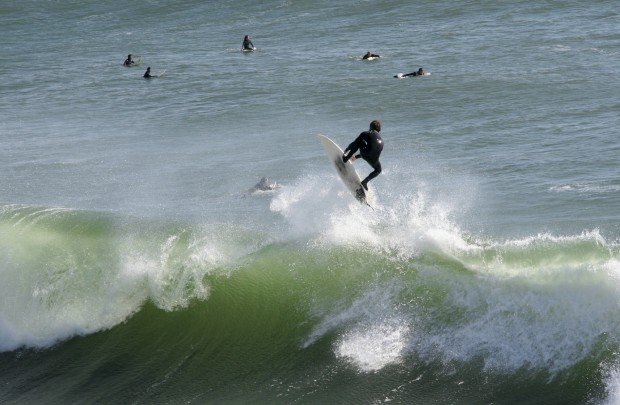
519, 322
588, 187
319, 208
612, 385
373, 304
562, 48
372, 347
371, 335
177, 275
539, 302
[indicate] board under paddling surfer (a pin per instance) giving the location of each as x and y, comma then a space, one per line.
370, 145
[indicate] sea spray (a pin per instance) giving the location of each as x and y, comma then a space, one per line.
68, 272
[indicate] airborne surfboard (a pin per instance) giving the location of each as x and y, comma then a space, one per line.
346, 171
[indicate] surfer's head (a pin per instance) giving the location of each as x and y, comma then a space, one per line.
375, 125
246, 37
420, 72
129, 56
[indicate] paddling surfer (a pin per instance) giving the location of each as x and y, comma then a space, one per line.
420, 72
369, 55
147, 74
128, 62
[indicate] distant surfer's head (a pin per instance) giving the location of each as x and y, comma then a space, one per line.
375, 125
129, 56
420, 71
148, 69
246, 37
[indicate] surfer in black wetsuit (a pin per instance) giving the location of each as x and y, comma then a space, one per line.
420, 72
370, 55
370, 146
128, 62
247, 44
147, 74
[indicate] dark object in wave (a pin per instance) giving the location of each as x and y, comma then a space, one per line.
264, 185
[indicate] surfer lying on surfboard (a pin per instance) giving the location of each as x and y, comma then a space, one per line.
420, 72
370, 146
370, 55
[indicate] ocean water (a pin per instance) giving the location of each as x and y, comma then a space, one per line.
135, 266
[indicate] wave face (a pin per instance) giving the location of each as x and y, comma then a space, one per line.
400, 295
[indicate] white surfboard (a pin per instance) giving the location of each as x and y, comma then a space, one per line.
346, 171
402, 75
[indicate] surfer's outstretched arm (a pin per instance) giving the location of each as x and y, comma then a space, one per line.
352, 148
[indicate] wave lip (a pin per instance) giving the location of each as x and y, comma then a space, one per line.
66, 272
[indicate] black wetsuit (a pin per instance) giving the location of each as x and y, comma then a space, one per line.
248, 45
370, 146
128, 62
147, 75
372, 55
412, 74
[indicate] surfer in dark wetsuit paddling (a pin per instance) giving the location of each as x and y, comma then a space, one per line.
128, 62
420, 72
370, 55
247, 44
147, 74
370, 146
